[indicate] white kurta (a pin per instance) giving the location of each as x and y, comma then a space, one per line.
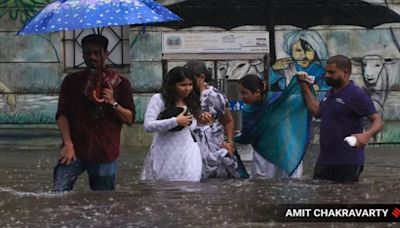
262, 168
173, 155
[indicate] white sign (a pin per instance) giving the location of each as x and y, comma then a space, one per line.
215, 42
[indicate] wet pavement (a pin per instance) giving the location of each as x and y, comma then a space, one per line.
26, 199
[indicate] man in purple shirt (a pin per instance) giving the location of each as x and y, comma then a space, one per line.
93, 105
341, 111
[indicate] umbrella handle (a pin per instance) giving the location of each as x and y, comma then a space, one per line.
96, 98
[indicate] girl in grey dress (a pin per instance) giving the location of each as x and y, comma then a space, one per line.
217, 122
173, 155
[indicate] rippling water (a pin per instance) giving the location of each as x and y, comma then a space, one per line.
26, 200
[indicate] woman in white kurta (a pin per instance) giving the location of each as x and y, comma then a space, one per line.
173, 155
217, 152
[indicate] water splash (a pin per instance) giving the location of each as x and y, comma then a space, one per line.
33, 194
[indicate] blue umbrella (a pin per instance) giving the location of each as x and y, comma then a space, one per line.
83, 14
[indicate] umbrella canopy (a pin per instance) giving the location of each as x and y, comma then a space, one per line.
300, 13
83, 14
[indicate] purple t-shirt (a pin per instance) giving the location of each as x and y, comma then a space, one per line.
342, 115
95, 140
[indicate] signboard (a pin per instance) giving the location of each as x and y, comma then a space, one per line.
215, 42
235, 105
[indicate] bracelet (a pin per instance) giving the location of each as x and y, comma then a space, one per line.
229, 141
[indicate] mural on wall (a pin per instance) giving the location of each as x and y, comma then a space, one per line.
306, 52
375, 72
375, 65
11, 100
236, 69
21, 10
28, 94
26, 88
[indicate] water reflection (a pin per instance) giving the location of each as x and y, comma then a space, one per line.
26, 200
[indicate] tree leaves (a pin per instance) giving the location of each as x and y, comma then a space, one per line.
21, 9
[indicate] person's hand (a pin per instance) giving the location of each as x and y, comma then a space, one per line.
281, 64
302, 76
184, 120
305, 87
67, 154
108, 94
362, 140
205, 118
230, 147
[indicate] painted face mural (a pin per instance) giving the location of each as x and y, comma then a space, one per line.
374, 69
303, 53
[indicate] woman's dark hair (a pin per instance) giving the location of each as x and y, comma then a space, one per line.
253, 83
199, 68
179, 74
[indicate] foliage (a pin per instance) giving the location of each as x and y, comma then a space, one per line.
28, 118
21, 10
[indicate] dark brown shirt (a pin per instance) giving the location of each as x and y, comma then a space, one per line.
95, 134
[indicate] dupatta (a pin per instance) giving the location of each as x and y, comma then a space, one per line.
279, 127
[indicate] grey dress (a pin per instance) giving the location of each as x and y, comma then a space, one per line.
173, 155
211, 137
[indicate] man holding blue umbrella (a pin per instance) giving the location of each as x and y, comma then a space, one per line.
93, 105
95, 102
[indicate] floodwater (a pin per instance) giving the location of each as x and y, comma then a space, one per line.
26, 199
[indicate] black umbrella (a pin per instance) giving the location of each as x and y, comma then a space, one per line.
300, 13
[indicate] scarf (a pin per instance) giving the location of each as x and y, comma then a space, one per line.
279, 127
98, 80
